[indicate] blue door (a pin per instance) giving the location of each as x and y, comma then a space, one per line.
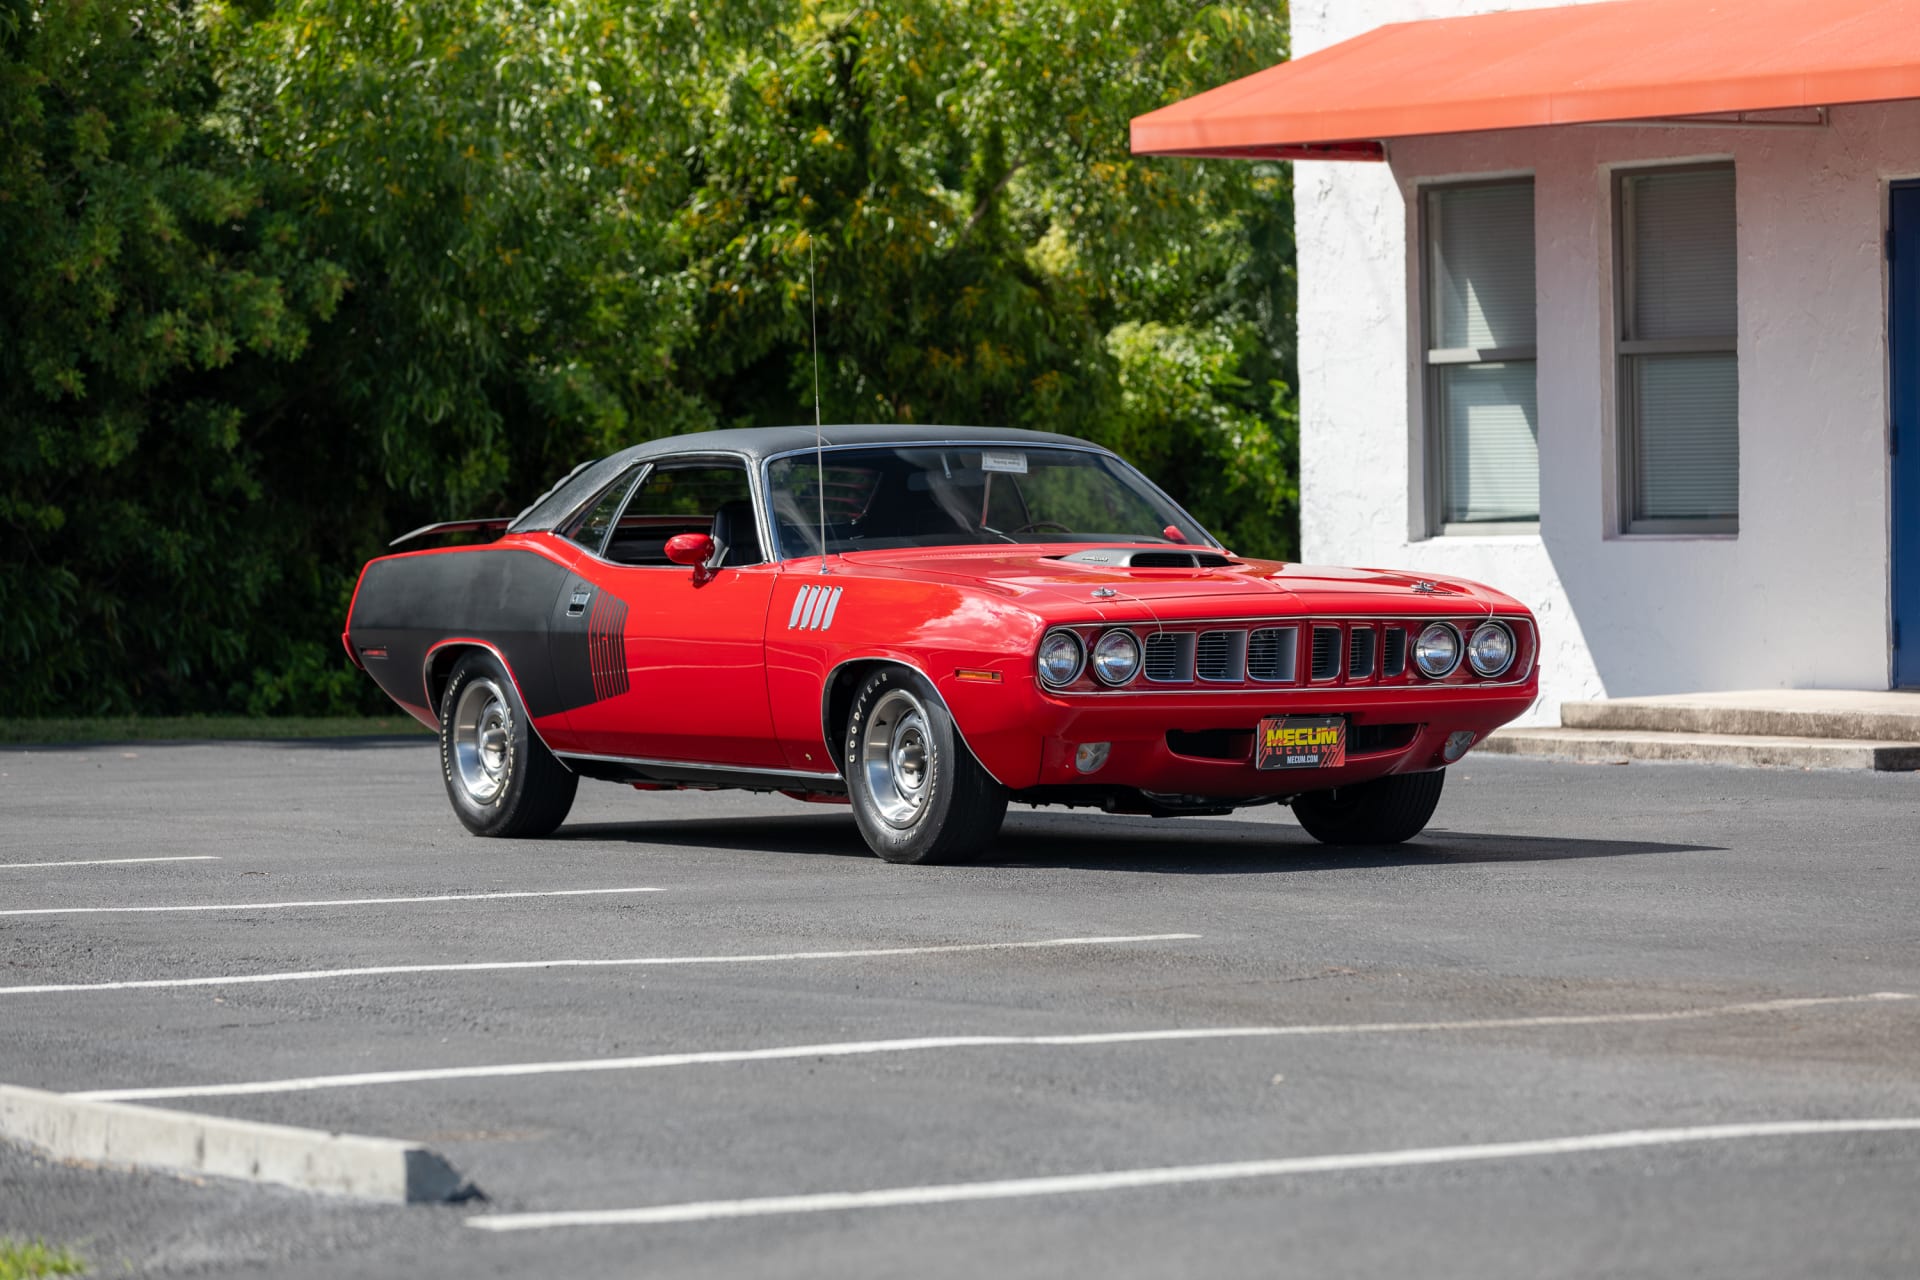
1903, 346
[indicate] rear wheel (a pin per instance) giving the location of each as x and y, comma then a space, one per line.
1384, 811
501, 778
918, 793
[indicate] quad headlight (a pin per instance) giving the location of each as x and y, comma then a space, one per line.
1437, 651
1490, 650
1116, 657
1062, 657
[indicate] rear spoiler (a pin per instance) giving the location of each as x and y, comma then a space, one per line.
494, 524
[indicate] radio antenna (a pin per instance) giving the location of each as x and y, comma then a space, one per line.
819, 450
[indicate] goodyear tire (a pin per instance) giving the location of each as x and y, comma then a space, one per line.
1384, 811
918, 793
501, 778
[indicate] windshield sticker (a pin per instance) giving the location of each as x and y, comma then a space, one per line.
1011, 463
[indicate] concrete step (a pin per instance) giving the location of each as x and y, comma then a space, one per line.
1857, 715
1611, 746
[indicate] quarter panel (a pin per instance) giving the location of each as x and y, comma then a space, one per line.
408, 603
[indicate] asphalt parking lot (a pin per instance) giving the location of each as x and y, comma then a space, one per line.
1198, 1047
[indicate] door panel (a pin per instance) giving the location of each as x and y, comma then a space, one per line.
1903, 347
673, 670
662, 661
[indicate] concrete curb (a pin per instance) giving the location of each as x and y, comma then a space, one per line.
1607, 745
337, 1164
1676, 716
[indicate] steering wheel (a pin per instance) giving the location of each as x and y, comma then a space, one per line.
1042, 524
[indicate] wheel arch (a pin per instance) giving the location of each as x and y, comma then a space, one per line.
437, 668
844, 681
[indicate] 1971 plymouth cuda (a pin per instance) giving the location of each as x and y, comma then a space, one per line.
925, 623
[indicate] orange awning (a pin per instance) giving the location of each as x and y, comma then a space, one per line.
1577, 64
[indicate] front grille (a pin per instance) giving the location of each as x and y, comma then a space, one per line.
1371, 739
1271, 654
1169, 656
1221, 656
1393, 656
1360, 653
1211, 744
1326, 653
1266, 654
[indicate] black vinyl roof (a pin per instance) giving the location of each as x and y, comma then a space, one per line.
757, 444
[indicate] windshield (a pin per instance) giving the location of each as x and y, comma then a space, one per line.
946, 496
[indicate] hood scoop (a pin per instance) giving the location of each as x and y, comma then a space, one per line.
1149, 558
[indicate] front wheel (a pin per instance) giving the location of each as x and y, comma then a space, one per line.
501, 778
918, 793
1384, 811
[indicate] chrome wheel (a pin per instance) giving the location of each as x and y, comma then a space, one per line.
897, 758
481, 735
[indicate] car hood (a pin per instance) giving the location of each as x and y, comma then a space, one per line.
1043, 572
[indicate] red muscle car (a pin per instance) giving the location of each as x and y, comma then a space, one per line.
925, 623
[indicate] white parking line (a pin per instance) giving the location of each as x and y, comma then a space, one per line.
324, 902
312, 975
855, 1048
1133, 1179
107, 862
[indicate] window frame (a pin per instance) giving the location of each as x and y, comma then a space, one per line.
765, 478
1626, 411
646, 467
1433, 360
630, 478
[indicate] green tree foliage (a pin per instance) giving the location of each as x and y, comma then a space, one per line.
156, 293
988, 249
299, 273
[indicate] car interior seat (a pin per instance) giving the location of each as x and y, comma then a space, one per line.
736, 535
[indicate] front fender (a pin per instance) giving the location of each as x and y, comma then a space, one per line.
974, 648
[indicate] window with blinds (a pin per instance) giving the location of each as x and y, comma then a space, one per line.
1483, 456
1679, 390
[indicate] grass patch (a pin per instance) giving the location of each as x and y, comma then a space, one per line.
203, 729
23, 1260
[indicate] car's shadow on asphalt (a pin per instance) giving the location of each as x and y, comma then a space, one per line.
1102, 843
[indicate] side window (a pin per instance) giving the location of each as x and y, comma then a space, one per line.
1483, 443
590, 529
692, 497
1679, 398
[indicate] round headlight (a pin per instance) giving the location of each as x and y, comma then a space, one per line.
1491, 649
1116, 657
1437, 651
1061, 657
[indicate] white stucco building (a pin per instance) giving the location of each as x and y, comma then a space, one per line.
1605, 305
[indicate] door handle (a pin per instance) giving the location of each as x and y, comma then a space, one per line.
577, 605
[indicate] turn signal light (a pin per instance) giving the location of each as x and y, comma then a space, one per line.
1089, 756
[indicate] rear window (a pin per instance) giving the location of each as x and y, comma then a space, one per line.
590, 529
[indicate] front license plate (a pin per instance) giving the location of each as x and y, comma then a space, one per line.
1301, 742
